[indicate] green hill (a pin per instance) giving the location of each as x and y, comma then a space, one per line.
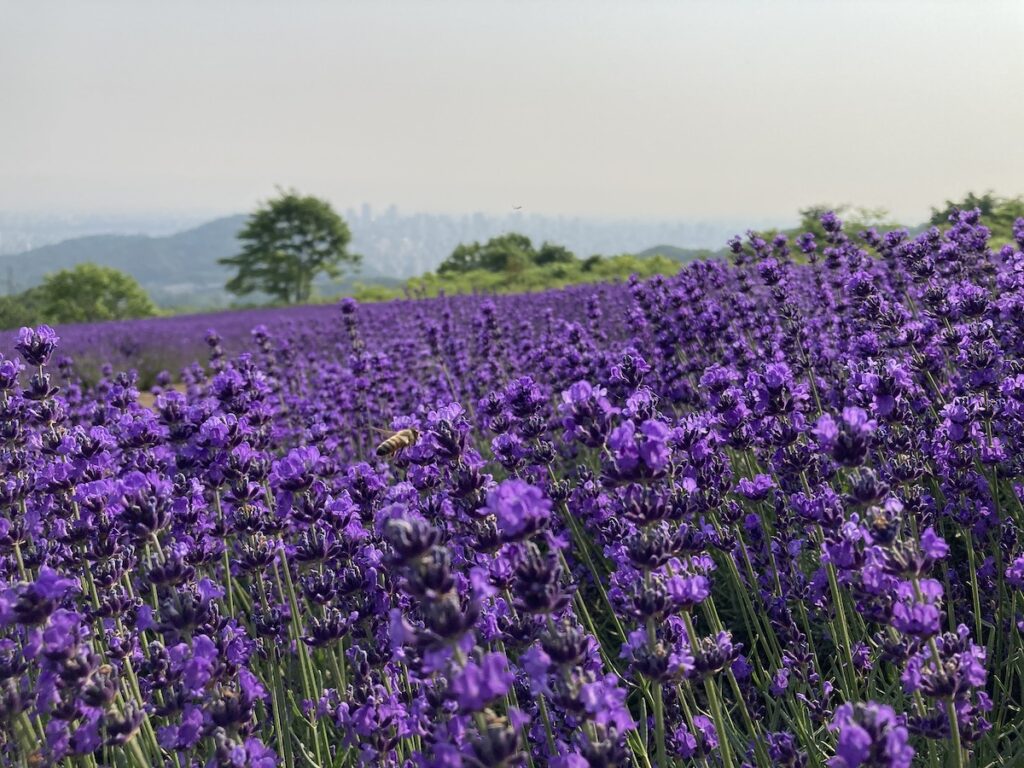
675, 253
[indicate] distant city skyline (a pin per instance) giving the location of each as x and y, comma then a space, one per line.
656, 110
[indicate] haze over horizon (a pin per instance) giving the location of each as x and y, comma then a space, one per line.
644, 110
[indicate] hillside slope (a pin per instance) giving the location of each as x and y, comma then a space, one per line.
174, 269
178, 269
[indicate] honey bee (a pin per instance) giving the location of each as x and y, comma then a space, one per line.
495, 720
403, 438
883, 527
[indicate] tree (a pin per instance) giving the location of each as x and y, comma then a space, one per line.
550, 253
511, 252
88, 293
19, 310
286, 243
463, 259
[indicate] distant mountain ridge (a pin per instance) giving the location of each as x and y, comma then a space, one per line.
174, 269
20, 232
676, 253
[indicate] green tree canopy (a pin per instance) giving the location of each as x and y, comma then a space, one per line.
286, 243
511, 252
550, 253
20, 309
88, 293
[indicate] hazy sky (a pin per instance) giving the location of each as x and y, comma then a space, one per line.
657, 109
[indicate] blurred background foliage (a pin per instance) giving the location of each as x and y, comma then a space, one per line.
87, 293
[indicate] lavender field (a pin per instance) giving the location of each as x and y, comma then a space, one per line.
762, 513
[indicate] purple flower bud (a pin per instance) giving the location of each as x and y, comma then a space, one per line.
1015, 573
933, 546
654, 450
870, 735
36, 345
521, 509
848, 440
756, 489
917, 610
476, 685
686, 592
605, 701
9, 370
831, 223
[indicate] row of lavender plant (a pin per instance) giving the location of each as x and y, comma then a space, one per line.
764, 513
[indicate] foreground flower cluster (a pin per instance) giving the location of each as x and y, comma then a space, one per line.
765, 513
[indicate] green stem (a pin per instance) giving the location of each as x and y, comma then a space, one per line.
954, 729
716, 713
975, 597
712, 691
659, 702
837, 598
659, 726
227, 560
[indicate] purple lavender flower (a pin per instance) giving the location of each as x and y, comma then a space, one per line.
605, 701
9, 371
849, 439
476, 685
685, 592
1015, 573
870, 735
521, 509
622, 444
755, 489
654, 449
917, 610
37, 344
690, 744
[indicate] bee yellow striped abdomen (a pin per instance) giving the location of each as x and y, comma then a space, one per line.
402, 439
